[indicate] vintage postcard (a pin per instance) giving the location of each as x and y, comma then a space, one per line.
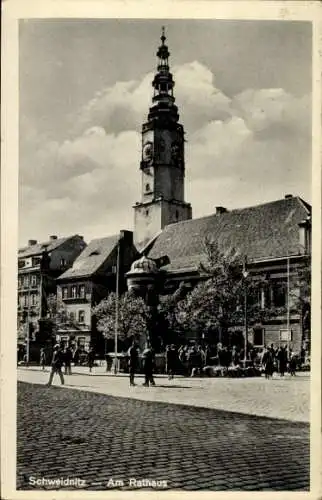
161, 250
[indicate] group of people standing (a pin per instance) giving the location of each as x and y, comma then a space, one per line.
148, 358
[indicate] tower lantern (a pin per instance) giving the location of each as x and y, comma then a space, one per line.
162, 163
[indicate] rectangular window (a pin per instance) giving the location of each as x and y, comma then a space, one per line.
62, 262
74, 292
279, 294
34, 280
25, 301
72, 316
258, 339
19, 281
35, 261
65, 292
26, 281
81, 291
33, 299
81, 316
286, 335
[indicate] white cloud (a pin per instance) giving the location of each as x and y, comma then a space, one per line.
255, 146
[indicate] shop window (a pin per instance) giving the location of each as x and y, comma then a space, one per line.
81, 316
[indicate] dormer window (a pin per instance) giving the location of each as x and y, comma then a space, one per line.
95, 252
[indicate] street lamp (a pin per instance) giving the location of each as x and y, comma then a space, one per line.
245, 275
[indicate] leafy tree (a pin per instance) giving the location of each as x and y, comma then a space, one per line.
218, 301
133, 316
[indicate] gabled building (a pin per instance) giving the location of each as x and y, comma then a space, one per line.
39, 264
91, 278
274, 238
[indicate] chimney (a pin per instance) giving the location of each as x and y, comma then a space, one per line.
127, 236
52, 237
305, 235
32, 242
288, 196
221, 210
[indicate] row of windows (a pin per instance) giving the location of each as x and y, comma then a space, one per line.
27, 280
29, 300
73, 292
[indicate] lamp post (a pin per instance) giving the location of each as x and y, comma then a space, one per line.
288, 306
116, 307
245, 275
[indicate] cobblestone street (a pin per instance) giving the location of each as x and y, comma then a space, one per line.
116, 442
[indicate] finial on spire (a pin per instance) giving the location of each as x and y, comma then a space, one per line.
163, 37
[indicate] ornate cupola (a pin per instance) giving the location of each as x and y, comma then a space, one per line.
162, 163
163, 108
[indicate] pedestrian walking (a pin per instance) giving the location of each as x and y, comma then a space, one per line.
133, 361
268, 363
42, 360
68, 356
56, 365
171, 359
91, 359
292, 363
148, 363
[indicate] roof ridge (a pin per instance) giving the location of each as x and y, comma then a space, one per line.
235, 210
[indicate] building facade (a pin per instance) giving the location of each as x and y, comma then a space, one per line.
162, 164
91, 278
39, 264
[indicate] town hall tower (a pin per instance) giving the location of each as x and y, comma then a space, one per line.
162, 162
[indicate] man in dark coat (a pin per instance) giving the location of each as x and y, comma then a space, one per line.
68, 356
56, 364
133, 361
282, 360
148, 361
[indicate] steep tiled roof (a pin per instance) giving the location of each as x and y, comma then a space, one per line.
261, 232
37, 249
91, 259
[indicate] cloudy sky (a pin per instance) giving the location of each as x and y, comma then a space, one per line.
243, 89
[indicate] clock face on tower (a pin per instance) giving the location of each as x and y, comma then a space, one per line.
148, 152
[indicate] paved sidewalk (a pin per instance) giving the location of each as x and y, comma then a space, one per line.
277, 398
105, 442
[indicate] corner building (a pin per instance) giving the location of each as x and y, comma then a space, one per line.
162, 163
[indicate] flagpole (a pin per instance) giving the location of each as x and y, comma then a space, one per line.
116, 306
288, 305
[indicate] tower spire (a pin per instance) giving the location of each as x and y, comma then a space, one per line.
163, 106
